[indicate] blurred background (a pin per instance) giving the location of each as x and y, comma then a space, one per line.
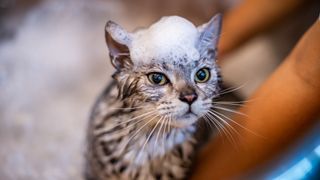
54, 62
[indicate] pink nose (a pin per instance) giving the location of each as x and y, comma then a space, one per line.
190, 98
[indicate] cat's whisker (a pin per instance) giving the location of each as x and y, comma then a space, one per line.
229, 110
233, 87
163, 133
228, 104
221, 131
166, 124
166, 130
138, 121
129, 108
229, 90
217, 124
215, 121
214, 113
169, 124
137, 117
143, 116
142, 119
226, 131
230, 129
236, 102
210, 121
137, 131
206, 122
150, 134
232, 103
235, 122
155, 142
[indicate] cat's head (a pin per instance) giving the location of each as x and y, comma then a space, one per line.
168, 70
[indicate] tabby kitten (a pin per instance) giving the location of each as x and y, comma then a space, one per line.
143, 125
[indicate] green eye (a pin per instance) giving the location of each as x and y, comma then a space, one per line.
202, 75
157, 78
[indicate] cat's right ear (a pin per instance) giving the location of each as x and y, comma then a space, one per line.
210, 33
118, 41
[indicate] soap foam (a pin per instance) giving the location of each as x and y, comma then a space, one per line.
170, 38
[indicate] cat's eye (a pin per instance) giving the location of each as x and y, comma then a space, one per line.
157, 78
202, 76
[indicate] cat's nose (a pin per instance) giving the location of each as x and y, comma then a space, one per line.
188, 98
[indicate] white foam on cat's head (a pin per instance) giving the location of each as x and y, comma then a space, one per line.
170, 38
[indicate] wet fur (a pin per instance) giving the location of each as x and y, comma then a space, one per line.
125, 142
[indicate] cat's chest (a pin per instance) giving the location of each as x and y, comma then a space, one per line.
136, 143
128, 151
122, 147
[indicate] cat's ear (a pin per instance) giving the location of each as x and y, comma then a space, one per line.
118, 41
210, 33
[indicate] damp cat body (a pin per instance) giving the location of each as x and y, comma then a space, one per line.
143, 125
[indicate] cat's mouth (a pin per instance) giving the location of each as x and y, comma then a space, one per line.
188, 114
185, 120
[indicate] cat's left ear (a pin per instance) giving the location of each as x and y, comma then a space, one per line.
118, 41
210, 33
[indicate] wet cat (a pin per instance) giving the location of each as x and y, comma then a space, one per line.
143, 125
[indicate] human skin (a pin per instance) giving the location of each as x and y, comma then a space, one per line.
280, 111
252, 17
